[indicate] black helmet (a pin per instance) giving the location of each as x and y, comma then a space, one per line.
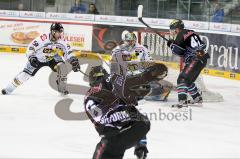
56, 27
176, 23
96, 75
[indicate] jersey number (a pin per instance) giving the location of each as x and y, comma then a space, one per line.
195, 42
35, 43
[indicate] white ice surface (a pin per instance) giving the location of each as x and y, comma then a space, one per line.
29, 127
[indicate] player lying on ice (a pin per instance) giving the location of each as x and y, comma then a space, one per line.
47, 50
110, 105
127, 59
191, 48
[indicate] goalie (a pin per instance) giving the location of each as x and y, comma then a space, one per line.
131, 58
47, 50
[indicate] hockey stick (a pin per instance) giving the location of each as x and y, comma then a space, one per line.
100, 57
83, 73
140, 13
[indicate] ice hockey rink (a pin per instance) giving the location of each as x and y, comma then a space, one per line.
31, 129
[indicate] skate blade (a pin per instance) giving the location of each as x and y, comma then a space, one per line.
4, 92
183, 109
60, 94
196, 105
141, 157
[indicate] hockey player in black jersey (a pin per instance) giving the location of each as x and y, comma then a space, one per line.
129, 59
110, 105
191, 48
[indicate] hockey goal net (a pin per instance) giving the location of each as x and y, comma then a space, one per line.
159, 51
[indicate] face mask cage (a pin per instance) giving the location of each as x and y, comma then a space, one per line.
130, 43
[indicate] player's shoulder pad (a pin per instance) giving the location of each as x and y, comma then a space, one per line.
187, 34
44, 37
63, 41
140, 48
39, 41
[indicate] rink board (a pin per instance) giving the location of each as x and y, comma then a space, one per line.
90, 33
92, 55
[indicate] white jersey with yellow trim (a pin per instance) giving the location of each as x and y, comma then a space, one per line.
124, 59
46, 50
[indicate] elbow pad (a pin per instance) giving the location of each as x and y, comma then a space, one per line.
30, 53
177, 49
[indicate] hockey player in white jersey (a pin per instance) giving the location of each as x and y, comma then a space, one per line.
47, 50
126, 55
131, 58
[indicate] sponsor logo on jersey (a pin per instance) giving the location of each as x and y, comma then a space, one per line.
118, 116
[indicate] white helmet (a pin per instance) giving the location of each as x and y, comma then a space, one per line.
129, 36
130, 39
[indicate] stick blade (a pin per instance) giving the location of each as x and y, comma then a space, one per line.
140, 11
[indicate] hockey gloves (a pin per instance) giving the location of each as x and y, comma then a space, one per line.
200, 54
34, 61
169, 43
75, 64
157, 72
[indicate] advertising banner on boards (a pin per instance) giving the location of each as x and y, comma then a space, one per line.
223, 49
21, 33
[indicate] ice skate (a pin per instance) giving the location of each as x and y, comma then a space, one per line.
4, 92
141, 152
181, 104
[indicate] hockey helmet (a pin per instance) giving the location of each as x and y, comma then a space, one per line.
176, 23
130, 39
97, 75
56, 27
